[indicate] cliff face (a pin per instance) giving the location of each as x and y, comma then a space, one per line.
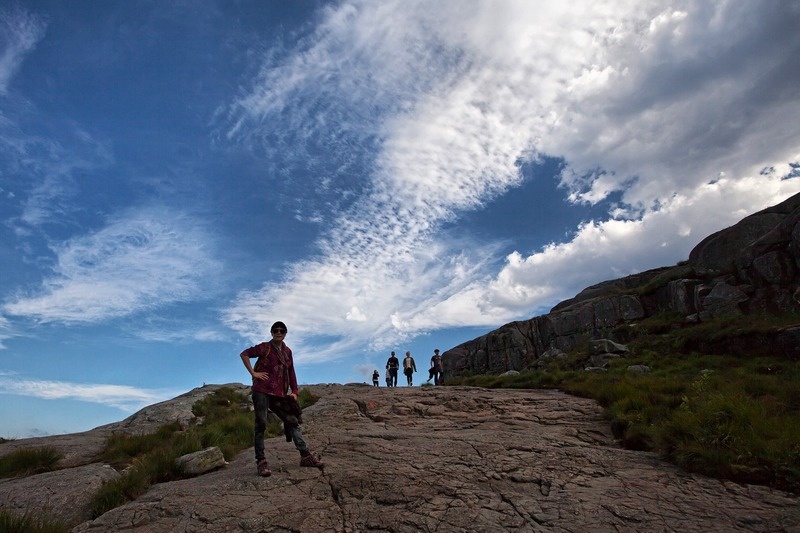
751, 267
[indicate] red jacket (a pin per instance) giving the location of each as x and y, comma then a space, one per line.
278, 363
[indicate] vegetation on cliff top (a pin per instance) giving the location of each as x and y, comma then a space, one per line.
726, 416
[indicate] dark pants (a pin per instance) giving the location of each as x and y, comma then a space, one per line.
436, 375
393, 374
408, 372
262, 404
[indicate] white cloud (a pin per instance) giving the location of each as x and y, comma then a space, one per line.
5, 331
125, 398
19, 34
141, 260
653, 99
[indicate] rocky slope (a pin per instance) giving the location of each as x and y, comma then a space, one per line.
422, 459
751, 267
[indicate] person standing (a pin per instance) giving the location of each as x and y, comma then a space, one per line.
393, 364
435, 371
275, 389
409, 367
375, 377
388, 378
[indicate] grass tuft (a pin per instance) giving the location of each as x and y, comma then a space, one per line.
11, 522
29, 461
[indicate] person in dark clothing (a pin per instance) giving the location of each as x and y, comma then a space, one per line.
435, 371
393, 364
375, 377
275, 389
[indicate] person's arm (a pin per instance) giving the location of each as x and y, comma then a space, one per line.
246, 355
293, 383
292, 378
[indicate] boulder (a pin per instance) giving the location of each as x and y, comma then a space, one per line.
64, 495
201, 462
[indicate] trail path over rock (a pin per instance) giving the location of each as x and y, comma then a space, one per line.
453, 459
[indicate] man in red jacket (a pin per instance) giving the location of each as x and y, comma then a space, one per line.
275, 389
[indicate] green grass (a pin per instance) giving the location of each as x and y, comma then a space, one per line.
729, 417
227, 422
29, 461
28, 523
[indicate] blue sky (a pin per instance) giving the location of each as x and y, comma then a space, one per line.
380, 175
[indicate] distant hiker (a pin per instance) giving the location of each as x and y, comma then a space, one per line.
375, 377
275, 389
393, 364
409, 367
388, 378
435, 372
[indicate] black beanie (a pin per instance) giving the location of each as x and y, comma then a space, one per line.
277, 325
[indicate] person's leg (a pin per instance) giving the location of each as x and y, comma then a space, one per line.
292, 428
260, 409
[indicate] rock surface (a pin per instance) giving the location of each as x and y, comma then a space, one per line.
63, 494
66, 494
453, 459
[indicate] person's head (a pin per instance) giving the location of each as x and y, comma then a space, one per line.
408, 354
436, 351
278, 330
392, 353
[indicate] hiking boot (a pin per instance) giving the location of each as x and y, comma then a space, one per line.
263, 468
310, 460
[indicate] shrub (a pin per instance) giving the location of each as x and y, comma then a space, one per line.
306, 399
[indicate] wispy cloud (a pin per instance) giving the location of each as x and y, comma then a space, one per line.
5, 331
178, 332
125, 398
20, 31
141, 260
680, 106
